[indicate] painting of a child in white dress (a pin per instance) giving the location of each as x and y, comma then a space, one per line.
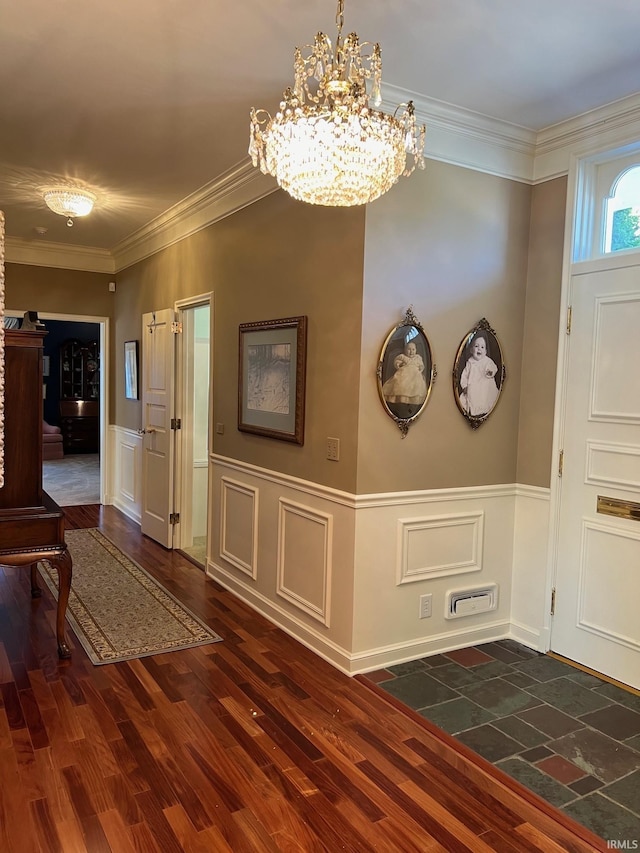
405, 389
480, 379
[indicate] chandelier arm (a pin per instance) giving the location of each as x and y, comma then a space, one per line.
255, 116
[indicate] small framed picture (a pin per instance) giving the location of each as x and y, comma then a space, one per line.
406, 372
271, 378
131, 370
478, 373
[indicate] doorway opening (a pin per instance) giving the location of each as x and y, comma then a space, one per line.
76, 476
176, 425
193, 383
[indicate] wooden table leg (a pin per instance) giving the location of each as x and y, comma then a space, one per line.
63, 564
36, 592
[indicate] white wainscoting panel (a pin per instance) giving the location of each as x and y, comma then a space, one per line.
387, 624
126, 477
304, 557
327, 565
530, 599
305, 538
438, 546
239, 525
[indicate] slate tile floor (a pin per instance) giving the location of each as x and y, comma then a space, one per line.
572, 738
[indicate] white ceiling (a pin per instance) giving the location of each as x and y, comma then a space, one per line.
146, 101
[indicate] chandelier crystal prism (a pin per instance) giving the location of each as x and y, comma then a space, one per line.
69, 201
326, 144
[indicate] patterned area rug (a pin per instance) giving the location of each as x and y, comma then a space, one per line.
116, 609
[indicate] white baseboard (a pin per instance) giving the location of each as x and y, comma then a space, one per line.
306, 635
127, 509
527, 636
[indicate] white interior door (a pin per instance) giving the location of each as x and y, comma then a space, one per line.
158, 402
193, 409
598, 574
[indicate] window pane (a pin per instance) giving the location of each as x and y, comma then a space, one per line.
622, 220
625, 231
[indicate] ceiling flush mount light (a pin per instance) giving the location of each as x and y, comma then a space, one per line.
69, 201
326, 145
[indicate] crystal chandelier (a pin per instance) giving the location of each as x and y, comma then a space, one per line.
69, 201
326, 145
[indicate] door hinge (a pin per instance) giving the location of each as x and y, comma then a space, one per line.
176, 423
176, 327
174, 518
553, 601
569, 313
561, 463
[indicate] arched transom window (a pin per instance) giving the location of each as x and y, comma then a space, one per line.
622, 212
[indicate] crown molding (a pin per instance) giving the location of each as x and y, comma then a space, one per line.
610, 126
239, 187
58, 255
466, 138
455, 135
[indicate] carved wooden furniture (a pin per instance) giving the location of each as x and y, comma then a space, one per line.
31, 523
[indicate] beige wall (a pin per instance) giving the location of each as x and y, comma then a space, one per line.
276, 258
540, 337
453, 243
55, 291
456, 244
58, 291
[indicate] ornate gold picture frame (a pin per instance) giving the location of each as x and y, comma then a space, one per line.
405, 372
478, 373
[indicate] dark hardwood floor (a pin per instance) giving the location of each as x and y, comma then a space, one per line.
251, 744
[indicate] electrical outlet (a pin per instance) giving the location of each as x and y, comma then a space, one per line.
425, 606
333, 449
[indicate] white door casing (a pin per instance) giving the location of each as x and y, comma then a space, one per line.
598, 559
158, 405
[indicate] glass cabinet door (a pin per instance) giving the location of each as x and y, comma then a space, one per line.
79, 371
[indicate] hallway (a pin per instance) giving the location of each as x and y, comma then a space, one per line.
251, 745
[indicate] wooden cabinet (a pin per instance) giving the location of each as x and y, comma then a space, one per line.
31, 523
79, 396
80, 425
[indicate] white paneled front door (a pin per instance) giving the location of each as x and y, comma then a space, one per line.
597, 600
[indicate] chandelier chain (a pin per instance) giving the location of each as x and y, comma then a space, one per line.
340, 20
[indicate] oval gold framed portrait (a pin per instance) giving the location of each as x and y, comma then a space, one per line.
478, 373
406, 372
